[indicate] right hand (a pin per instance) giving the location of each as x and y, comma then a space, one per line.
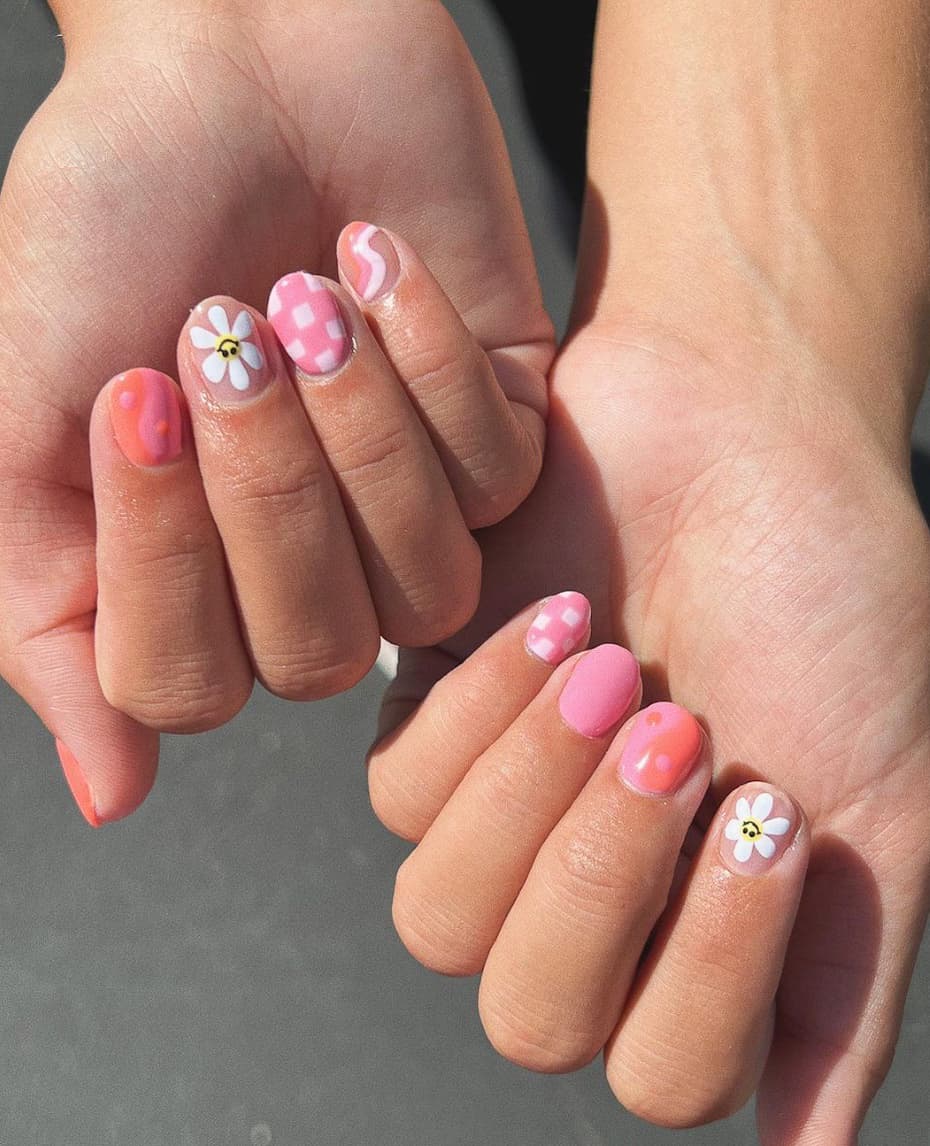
193, 149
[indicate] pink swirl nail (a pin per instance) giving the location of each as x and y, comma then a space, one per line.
145, 412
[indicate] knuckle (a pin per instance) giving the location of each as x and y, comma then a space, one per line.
314, 673
396, 801
533, 1032
441, 605
275, 487
185, 703
433, 933
374, 460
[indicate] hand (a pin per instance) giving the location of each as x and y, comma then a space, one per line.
190, 149
767, 562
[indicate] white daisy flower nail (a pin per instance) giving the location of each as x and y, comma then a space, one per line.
752, 831
231, 351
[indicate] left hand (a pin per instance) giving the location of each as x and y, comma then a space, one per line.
779, 592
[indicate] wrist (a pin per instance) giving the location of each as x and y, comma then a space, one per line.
759, 178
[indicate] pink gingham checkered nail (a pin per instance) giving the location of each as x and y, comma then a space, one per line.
559, 627
307, 320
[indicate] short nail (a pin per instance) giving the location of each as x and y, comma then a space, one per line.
369, 261
145, 412
77, 782
559, 627
308, 322
599, 691
662, 749
759, 824
228, 352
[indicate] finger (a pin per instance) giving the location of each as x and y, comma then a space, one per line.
167, 634
693, 1042
485, 412
422, 564
556, 979
425, 749
454, 892
306, 610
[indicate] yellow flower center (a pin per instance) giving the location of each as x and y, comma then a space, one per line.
750, 829
228, 346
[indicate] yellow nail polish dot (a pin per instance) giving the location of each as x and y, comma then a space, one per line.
227, 345
750, 829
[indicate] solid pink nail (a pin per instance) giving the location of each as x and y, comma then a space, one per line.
559, 627
308, 322
602, 686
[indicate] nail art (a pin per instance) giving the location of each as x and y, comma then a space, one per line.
235, 364
661, 750
77, 782
559, 627
145, 412
599, 691
753, 838
307, 320
368, 260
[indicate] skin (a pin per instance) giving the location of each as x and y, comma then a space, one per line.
727, 480
196, 148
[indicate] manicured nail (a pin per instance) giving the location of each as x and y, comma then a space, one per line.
232, 360
145, 412
663, 747
307, 320
80, 789
602, 687
368, 260
559, 627
760, 824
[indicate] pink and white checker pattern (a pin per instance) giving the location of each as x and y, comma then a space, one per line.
559, 627
306, 318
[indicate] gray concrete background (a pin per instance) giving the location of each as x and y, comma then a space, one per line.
220, 970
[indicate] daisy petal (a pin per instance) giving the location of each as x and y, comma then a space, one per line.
217, 316
762, 805
201, 338
242, 327
765, 847
214, 367
776, 827
731, 831
253, 356
742, 808
742, 851
238, 375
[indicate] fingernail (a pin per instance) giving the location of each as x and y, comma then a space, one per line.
601, 688
230, 355
308, 322
369, 260
80, 789
760, 823
559, 627
662, 749
145, 412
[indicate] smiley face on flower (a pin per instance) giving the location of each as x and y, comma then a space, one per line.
750, 829
231, 351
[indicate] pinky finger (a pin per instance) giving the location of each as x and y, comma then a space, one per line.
484, 410
693, 1042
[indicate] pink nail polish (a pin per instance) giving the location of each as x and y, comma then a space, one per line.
559, 627
663, 747
601, 688
307, 320
368, 260
77, 782
760, 824
145, 412
227, 348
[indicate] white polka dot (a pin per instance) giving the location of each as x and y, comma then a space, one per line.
296, 349
571, 616
303, 316
274, 303
542, 647
542, 622
334, 329
325, 361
